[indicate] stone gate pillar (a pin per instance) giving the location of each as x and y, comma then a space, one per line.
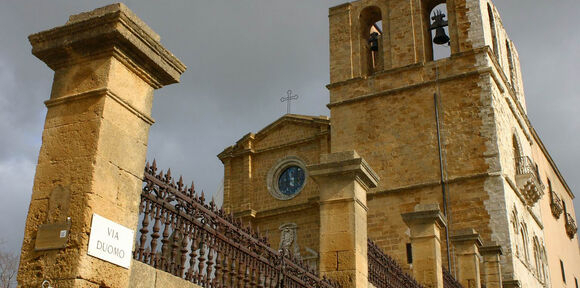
491, 268
343, 179
426, 224
106, 64
466, 243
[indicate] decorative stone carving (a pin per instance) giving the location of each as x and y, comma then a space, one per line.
289, 239
528, 181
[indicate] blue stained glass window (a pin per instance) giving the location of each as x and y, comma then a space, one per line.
291, 180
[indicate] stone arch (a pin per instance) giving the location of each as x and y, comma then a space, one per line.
372, 57
429, 7
493, 30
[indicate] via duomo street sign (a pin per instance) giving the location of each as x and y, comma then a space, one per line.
111, 241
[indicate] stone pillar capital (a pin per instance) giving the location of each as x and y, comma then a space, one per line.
466, 239
343, 164
113, 30
491, 250
425, 214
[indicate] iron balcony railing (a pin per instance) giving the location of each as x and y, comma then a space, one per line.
556, 205
571, 227
182, 235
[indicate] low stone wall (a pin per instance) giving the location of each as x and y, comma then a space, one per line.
145, 276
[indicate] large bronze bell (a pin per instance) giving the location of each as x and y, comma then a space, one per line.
439, 24
440, 36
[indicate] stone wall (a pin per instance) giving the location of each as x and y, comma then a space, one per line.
145, 276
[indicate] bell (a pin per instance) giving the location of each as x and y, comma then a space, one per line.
438, 24
440, 36
374, 41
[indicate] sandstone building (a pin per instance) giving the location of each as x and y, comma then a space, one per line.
431, 157
452, 131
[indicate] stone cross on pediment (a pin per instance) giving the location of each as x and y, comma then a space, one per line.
288, 99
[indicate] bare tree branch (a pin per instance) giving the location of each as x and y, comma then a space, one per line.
8, 269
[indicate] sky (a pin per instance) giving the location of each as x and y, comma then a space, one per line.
242, 57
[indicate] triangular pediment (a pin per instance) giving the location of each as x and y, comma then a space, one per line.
286, 129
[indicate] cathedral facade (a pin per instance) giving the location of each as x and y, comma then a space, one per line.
449, 130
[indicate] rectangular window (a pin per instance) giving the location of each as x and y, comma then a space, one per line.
563, 273
409, 253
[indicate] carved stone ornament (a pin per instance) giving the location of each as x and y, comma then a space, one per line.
288, 239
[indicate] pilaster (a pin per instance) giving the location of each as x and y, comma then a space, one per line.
343, 179
107, 63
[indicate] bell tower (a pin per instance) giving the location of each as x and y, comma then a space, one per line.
431, 127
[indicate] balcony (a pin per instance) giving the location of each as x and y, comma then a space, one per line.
556, 205
528, 180
571, 227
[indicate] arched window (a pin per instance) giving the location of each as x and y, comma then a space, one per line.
538, 258
515, 226
493, 31
371, 32
524, 233
438, 30
544, 265
511, 63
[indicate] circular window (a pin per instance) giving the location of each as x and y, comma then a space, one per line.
287, 178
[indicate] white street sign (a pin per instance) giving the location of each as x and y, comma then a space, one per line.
110, 241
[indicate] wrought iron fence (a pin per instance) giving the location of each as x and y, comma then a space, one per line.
182, 235
449, 281
384, 272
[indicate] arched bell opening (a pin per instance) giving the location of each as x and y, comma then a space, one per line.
437, 32
371, 38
